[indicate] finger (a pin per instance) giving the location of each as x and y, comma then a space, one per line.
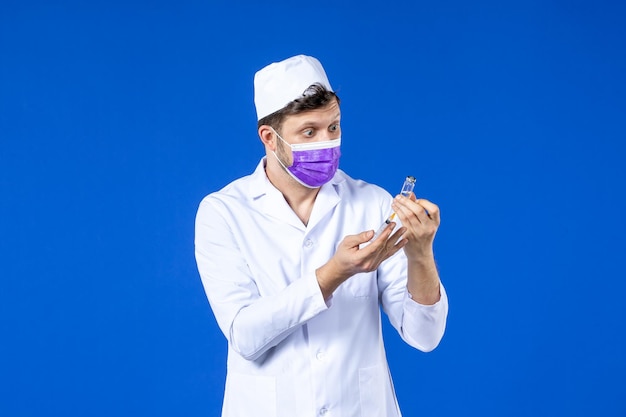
389, 247
406, 202
408, 211
395, 237
391, 250
384, 234
352, 241
422, 214
391, 242
431, 208
377, 249
422, 208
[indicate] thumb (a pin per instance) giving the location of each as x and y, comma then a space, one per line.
352, 241
364, 236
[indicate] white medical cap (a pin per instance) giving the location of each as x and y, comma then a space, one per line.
282, 82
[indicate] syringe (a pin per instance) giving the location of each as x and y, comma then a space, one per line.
407, 189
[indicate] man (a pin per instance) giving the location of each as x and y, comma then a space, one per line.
292, 273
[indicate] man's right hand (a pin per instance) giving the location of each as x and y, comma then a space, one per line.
350, 258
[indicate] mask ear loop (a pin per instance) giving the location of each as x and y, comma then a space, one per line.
279, 137
274, 152
279, 161
283, 165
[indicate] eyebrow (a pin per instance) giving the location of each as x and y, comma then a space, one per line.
311, 123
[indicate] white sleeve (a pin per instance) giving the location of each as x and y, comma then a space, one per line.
252, 324
421, 326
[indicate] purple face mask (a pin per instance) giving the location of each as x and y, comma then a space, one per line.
314, 164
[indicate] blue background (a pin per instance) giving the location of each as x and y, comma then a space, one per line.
116, 118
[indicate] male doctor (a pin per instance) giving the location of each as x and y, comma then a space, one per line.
292, 272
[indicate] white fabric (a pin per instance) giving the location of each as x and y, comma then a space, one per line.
282, 82
290, 353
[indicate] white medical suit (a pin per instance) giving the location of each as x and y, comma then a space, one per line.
290, 353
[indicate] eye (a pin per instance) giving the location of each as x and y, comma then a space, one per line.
334, 127
309, 132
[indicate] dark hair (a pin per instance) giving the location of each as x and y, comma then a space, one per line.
314, 97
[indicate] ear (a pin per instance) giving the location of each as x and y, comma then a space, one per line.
267, 136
